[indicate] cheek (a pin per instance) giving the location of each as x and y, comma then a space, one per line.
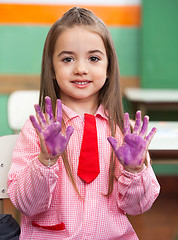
101, 81
101, 74
61, 74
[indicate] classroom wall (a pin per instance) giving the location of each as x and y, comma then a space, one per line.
159, 38
23, 29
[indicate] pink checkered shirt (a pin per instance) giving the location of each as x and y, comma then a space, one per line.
46, 197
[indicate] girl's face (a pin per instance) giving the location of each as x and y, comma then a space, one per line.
80, 65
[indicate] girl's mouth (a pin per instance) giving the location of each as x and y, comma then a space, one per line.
81, 83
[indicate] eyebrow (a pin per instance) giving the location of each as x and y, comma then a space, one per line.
65, 52
90, 52
96, 51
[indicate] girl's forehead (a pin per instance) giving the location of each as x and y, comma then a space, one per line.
79, 36
81, 29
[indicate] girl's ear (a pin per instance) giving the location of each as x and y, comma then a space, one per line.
53, 74
107, 79
107, 74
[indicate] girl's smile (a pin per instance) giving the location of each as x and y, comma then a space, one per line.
80, 65
81, 83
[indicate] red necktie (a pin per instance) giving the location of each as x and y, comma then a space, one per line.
88, 168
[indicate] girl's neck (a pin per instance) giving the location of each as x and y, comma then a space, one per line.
82, 106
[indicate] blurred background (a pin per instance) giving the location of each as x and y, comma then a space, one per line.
145, 35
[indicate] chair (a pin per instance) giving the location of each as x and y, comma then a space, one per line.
20, 106
6, 148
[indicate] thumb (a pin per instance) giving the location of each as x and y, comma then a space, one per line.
113, 143
44, 149
69, 131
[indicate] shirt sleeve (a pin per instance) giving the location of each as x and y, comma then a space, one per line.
137, 191
30, 183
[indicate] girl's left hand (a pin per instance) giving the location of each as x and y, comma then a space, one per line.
133, 151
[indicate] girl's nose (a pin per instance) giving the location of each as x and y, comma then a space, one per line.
80, 68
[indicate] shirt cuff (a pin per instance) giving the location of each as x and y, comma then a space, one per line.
133, 175
38, 164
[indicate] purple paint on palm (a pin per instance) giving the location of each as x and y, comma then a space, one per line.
132, 152
50, 128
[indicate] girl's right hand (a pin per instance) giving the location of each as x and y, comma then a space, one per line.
48, 128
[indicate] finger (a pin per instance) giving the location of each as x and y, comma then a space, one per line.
35, 124
48, 110
69, 132
59, 111
150, 135
40, 116
126, 124
143, 131
137, 122
113, 143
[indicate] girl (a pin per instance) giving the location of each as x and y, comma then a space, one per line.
80, 78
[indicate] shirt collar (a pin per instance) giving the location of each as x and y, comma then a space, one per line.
71, 114
100, 112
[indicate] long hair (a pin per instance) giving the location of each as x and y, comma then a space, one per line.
109, 96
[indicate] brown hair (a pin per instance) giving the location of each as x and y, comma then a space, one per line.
110, 94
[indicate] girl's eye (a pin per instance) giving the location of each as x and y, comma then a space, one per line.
94, 59
67, 59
